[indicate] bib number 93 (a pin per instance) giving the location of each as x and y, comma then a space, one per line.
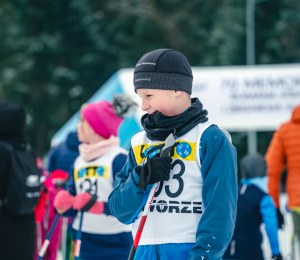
177, 177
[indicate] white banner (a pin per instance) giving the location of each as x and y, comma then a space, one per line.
241, 98
248, 98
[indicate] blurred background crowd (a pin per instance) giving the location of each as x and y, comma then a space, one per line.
55, 55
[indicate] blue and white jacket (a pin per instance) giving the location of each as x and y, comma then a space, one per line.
99, 238
219, 197
255, 207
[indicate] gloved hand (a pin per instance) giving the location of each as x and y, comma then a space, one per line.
277, 257
82, 199
57, 176
160, 171
63, 201
280, 218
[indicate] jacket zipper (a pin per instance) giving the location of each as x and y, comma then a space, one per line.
157, 252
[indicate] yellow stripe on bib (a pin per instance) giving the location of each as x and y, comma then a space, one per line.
91, 171
184, 150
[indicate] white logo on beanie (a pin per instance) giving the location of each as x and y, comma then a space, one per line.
145, 63
147, 79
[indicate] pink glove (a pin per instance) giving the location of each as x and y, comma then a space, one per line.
63, 201
83, 198
55, 177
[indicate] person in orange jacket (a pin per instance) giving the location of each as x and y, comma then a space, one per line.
284, 151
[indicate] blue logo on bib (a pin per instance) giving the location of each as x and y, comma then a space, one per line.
153, 153
81, 172
100, 171
183, 150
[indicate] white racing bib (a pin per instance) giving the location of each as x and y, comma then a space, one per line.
97, 177
177, 206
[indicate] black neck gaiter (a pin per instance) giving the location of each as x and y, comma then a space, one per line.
159, 126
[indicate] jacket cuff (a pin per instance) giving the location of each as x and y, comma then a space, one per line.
136, 178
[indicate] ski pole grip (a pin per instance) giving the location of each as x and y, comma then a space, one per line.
170, 141
90, 203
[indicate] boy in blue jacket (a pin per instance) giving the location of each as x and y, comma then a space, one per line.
254, 207
194, 209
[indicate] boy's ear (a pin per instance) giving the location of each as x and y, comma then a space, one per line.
178, 93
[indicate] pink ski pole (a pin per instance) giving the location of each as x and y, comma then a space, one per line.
170, 141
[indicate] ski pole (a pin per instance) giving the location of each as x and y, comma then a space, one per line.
170, 141
47, 240
78, 235
64, 237
78, 239
39, 236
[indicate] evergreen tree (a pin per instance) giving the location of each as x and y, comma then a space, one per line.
55, 54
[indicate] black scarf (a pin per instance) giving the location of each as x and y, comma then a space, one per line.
159, 126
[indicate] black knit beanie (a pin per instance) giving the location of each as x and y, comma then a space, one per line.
163, 69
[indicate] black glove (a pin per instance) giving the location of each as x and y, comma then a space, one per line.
277, 257
155, 170
280, 218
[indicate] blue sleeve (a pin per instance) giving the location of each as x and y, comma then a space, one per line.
70, 187
52, 160
127, 200
219, 194
118, 164
70, 184
269, 216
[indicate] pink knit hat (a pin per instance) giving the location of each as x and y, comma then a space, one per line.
102, 118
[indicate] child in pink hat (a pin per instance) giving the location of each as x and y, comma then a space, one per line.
101, 158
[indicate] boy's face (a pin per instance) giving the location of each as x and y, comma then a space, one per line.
163, 101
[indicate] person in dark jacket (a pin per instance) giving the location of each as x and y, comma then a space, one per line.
254, 207
63, 156
16, 232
